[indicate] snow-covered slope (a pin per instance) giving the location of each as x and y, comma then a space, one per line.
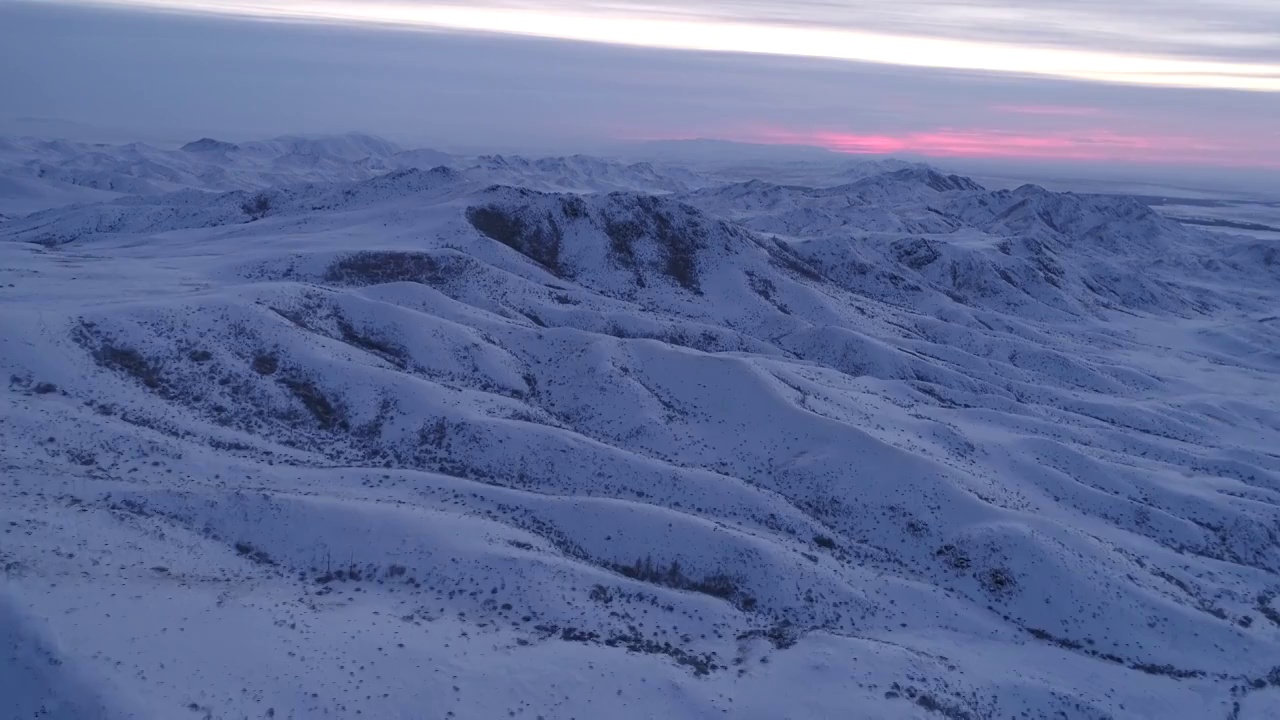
420, 445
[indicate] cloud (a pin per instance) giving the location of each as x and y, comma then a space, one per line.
1051, 110
710, 34
179, 76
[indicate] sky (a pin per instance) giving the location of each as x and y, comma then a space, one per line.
1150, 83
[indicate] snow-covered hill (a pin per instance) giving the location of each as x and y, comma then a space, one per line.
604, 440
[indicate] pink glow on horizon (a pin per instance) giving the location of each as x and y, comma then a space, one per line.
1081, 145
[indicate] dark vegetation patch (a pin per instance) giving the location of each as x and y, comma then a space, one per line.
52, 240
761, 286
782, 635
245, 550
1049, 270
227, 397
207, 144
378, 267
606, 596
709, 341
434, 449
256, 207
679, 238
623, 235
1202, 604
677, 232
702, 664
998, 581
766, 289
538, 240
602, 594
1163, 670
917, 254
1166, 670
954, 557
131, 362
116, 356
230, 446
356, 573
1263, 606
782, 256
296, 318
265, 364
931, 703
682, 263
935, 393
573, 207
324, 412
387, 351
81, 457
718, 585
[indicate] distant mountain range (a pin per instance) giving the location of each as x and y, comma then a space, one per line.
326, 427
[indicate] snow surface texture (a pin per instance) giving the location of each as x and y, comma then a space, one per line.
314, 428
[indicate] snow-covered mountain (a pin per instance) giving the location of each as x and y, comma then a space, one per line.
582, 174
205, 164
40, 174
502, 437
